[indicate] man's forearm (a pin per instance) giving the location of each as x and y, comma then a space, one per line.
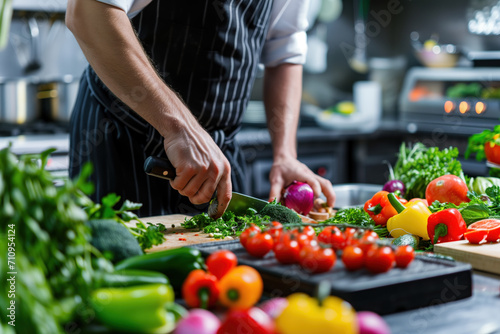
108, 40
282, 96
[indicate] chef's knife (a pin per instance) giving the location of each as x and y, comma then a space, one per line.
163, 168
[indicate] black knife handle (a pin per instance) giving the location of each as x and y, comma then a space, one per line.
159, 167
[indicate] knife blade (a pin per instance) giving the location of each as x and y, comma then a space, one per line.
240, 203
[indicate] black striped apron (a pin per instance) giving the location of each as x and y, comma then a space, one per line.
208, 52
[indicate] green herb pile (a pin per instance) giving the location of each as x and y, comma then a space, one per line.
50, 257
226, 226
418, 165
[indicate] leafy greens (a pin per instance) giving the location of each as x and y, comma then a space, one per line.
418, 165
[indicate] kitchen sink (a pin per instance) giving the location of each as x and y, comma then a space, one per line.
354, 194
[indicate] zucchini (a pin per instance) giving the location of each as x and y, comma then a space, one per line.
175, 263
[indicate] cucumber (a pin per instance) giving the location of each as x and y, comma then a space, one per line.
407, 239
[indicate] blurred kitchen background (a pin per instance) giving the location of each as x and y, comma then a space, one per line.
378, 72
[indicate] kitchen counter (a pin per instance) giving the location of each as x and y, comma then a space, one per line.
478, 314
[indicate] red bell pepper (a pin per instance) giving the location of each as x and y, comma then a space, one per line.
380, 209
446, 225
200, 289
252, 320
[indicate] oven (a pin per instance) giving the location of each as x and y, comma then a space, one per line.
443, 107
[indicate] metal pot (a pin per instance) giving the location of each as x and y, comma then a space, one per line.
18, 100
57, 98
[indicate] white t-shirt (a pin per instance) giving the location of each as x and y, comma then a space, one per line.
286, 41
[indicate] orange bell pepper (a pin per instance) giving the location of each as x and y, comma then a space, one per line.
240, 288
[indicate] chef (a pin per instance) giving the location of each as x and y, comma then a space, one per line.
173, 78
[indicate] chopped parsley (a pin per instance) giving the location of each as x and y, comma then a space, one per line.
228, 225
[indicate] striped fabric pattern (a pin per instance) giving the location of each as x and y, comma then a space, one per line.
208, 52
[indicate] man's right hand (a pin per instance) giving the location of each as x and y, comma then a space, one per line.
201, 167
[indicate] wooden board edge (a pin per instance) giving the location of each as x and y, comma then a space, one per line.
477, 261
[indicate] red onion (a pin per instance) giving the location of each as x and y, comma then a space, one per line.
371, 323
298, 196
198, 321
395, 185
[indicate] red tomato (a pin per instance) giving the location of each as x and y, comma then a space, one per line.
259, 244
220, 262
246, 233
447, 189
303, 240
287, 252
338, 240
491, 225
275, 230
316, 259
404, 255
476, 236
309, 231
492, 151
380, 260
368, 240
351, 236
353, 258
325, 235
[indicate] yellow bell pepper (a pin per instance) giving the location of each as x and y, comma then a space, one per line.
411, 219
303, 314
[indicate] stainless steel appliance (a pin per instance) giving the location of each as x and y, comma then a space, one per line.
443, 106
451, 100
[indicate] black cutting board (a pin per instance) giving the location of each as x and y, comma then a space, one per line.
427, 281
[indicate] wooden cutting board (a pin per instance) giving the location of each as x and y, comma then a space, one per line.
484, 257
176, 236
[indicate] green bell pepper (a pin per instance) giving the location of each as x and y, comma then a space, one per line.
176, 263
136, 309
128, 277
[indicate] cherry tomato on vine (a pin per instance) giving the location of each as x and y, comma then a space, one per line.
309, 231
325, 235
337, 239
380, 259
220, 262
353, 257
246, 233
368, 240
275, 231
287, 251
317, 259
259, 244
404, 255
351, 236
